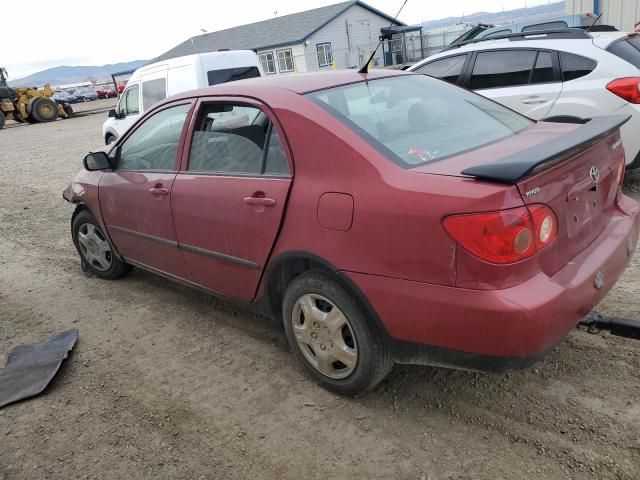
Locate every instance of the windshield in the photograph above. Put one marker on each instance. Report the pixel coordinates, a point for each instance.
(415, 119)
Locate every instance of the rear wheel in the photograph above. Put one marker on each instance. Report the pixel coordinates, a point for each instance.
(3, 118)
(94, 248)
(330, 333)
(44, 110)
(68, 109)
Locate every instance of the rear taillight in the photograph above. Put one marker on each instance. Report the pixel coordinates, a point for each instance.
(506, 236)
(626, 88)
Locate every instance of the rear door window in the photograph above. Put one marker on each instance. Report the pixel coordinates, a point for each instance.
(153, 91)
(543, 71)
(502, 68)
(225, 75)
(448, 69)
(575, 66)
(628, 50)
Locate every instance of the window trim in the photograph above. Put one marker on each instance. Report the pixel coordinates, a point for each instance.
(114, 153)
(324, 45)
(240, 101)
(557, 73)
(273, 59)
(293, 62)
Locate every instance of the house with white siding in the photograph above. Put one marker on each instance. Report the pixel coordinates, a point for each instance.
(332, 37)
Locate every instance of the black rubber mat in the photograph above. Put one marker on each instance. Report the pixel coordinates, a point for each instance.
(30, 368)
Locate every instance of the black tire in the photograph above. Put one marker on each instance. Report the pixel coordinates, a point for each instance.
(115, 269)
(374, 361)
(68, 110)
(3, 119)
(44, 110)
(109, 139)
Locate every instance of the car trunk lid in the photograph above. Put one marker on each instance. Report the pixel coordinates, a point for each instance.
(572, 168)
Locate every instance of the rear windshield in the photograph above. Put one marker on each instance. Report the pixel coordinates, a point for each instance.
(231, 74)
(628, 50)
(415, 119)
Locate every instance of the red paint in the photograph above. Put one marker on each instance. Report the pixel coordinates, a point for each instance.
(384, 229)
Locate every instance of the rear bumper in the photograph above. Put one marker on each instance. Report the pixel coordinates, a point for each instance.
(500, 329)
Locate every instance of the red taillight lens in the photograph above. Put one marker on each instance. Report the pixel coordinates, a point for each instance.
(506, 236)
(626, 88)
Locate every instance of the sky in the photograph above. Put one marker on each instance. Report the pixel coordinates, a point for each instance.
(94, 33)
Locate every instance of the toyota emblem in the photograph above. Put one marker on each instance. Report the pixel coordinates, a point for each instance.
(594, 173)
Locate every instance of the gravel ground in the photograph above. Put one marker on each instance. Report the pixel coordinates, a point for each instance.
(166, 382)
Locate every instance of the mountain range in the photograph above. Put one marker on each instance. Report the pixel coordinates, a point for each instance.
(67, 74)
(555, 9)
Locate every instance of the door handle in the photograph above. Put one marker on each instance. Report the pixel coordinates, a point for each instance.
(158, 190)
(260, 201)
(533, 100)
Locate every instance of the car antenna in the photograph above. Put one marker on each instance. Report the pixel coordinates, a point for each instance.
(365, 67)
(594, 22)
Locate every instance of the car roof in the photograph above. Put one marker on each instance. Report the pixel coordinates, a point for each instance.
(297, 83)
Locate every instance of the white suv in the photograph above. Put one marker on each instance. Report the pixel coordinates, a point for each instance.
(559, 75)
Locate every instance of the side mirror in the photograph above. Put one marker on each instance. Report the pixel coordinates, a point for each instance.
(112, 113)
(96, 161)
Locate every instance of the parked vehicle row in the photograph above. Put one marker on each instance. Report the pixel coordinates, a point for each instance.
(564, 75)
(382, 217)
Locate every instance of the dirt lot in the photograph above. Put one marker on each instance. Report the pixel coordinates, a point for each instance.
(166, 382)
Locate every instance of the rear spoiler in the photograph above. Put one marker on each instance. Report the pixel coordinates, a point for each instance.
(513, 168)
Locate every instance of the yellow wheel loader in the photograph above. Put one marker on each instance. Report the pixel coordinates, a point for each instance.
(29, 104)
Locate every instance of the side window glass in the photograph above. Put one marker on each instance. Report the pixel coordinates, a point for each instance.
(154, 145)
(505, 68)
(543, 71)
(229, 139)
(152, 92)
(448, 69)
(575, 66)
(132, 100)
(276, 159)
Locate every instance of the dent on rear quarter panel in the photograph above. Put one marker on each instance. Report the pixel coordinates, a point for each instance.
(397, 214)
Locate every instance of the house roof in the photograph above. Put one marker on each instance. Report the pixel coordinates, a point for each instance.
(285, 30)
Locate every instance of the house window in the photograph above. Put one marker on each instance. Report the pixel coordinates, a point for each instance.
(285, 60)
(268, 62)
(325, 56)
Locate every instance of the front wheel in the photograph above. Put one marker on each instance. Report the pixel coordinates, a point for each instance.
(330, 333)
(44, 110)
(94, 248)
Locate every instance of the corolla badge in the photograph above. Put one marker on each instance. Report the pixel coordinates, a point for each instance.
(594, 173)
(533, 192)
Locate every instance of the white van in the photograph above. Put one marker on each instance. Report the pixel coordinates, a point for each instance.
(157, 81)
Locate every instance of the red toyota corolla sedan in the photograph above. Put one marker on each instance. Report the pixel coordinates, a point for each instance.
(384, 217)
